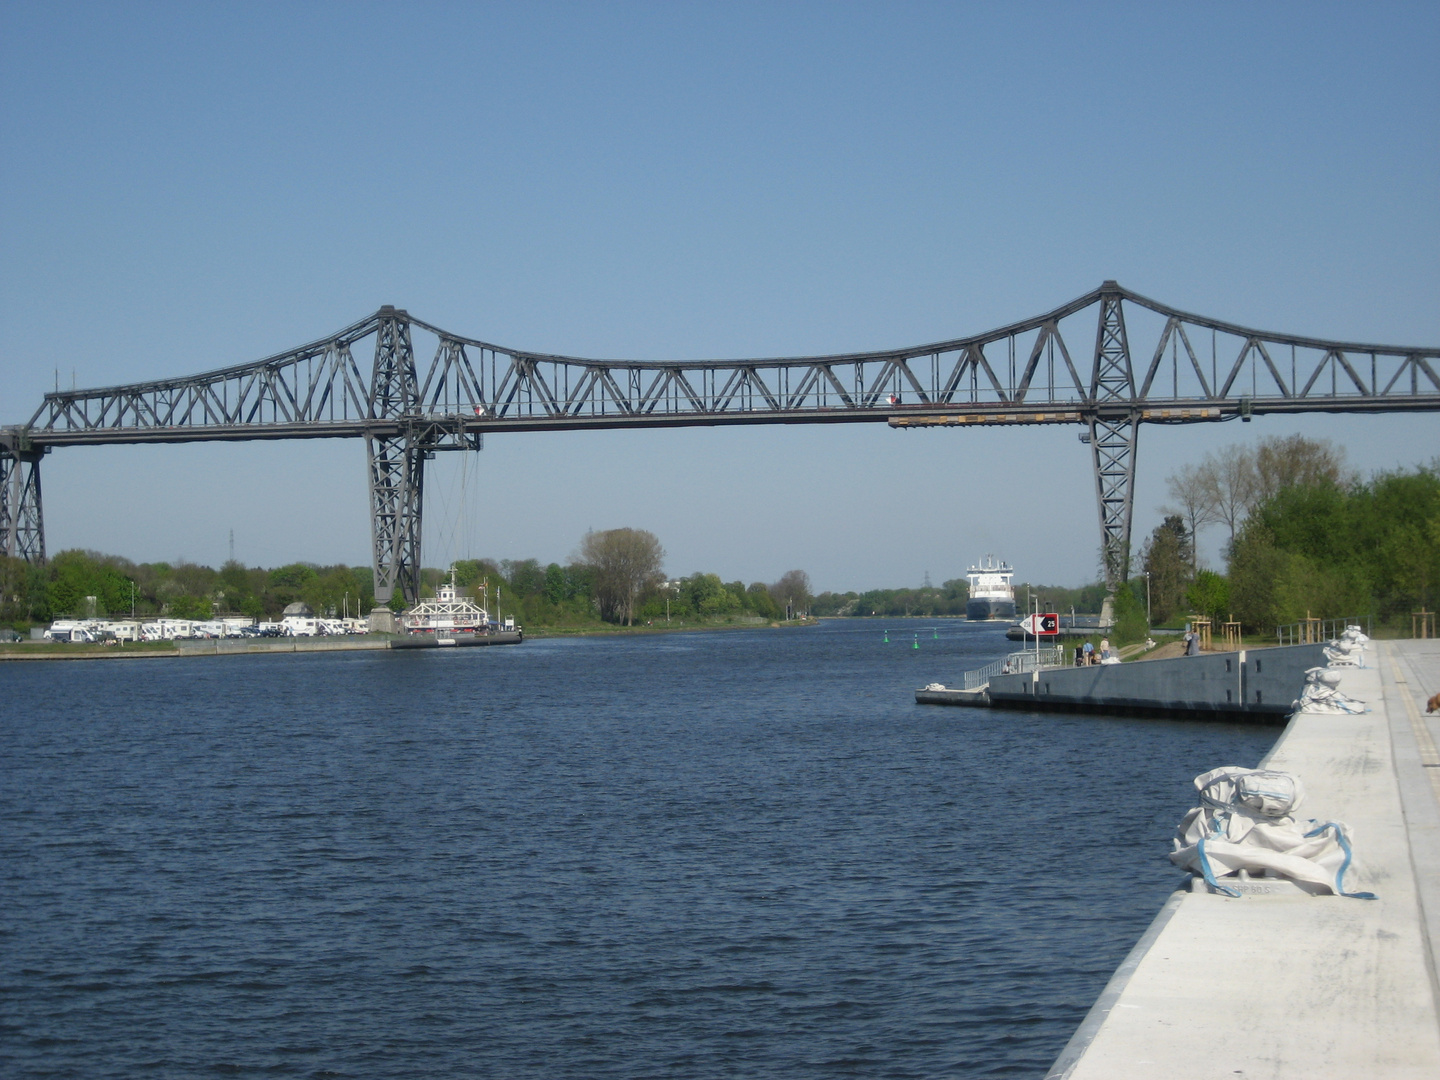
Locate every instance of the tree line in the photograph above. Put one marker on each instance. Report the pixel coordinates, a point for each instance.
(615, 576)
(82, 584)
(949, 599)
(1305, 536)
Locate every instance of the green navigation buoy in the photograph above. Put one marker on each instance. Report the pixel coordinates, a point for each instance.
(917, 642)
(887, 637)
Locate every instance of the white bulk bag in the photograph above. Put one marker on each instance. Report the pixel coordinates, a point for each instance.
(1245, 822)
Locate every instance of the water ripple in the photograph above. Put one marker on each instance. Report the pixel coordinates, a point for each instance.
(744, 854)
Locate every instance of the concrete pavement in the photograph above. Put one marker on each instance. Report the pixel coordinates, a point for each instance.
(1280, 984)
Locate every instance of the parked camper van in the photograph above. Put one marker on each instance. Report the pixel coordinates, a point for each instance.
(299, 626)
(69, 630)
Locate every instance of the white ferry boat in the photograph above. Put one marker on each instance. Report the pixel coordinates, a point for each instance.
(452, 619)
(991, 594)
(447, 612)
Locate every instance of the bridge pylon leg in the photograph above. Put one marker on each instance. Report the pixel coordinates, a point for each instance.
(1112, 448)
(22, 527)
(397, 483)
(397, 463)
(1113, 434)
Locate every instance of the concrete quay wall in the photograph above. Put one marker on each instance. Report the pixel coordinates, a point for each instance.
(1281, 984)
(234, 646)
(1260, 684)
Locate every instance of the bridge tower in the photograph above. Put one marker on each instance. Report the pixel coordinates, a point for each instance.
(1113, 422)
(396, 462)
(22, 532)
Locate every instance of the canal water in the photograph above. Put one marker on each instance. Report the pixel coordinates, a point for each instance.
(738, 854)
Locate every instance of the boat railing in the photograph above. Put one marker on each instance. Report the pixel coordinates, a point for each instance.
(1314, 631)
(1015, 663)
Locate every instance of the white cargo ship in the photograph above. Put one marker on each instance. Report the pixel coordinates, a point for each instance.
(991, 594)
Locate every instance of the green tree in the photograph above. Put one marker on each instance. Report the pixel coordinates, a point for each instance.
(332, 590)
(1130, 624)
(792, 592)
(17, 589)
(624, 562)
(706, 594)
(287, 584)
(75, 575)
(1293, 461)
(1167, 558)
(555, 590)
(524, 576)
(236, 587)
(759, 600)
(468, 572)
(1256, 569)
(580, 582)
(1209, 595)
(186, 606)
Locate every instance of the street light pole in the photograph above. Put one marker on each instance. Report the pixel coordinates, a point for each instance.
(1147, 599)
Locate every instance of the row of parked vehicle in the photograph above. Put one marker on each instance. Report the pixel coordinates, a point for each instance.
(106, 630)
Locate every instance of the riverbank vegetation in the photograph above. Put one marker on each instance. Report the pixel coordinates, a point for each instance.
(1307, 537)
(615, 579)
(1304, 536)
(948, 600)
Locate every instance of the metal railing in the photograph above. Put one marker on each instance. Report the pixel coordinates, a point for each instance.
(1315, 631)
(1016, 663)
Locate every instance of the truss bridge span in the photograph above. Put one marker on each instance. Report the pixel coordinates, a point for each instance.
(1072, 365)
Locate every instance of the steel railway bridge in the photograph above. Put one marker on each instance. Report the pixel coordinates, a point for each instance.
(1042, 370)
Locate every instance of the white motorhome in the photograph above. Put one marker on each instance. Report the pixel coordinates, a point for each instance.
(299, 626)
(69, 630)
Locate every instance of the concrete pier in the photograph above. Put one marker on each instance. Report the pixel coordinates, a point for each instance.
(1249, 684)
(235, 646)
(1281, 984)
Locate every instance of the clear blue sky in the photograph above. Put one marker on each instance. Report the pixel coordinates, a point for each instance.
(191, 185)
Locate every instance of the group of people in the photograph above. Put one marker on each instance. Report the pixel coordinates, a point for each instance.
(1087, 654)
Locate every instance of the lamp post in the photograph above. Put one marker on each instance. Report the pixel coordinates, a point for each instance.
(1147, 599)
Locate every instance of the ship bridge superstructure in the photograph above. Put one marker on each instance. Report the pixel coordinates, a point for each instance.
(990, 580)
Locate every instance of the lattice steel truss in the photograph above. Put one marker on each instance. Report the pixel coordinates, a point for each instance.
(1021, 373)
(1114, 428)
(22, 530)
(397, 462)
